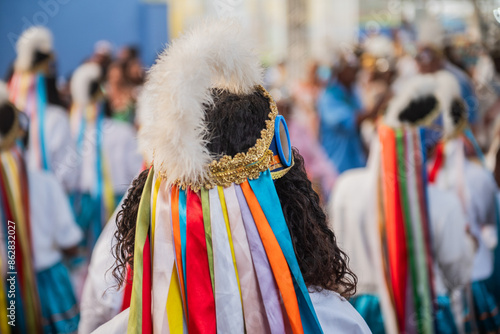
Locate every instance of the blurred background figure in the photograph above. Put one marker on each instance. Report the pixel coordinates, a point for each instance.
(378, 72)
(305, 95)
(43, 223)
(455, 164)
(16, 221)
(341, 114)
(32, 89)
(365, 225)
(103, 54)
(130, 55)
(108, 155)
(432, 57)
(120, 92)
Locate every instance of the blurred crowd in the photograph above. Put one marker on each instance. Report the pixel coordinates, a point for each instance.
(336, 103)
(337, 117)
(82, 154)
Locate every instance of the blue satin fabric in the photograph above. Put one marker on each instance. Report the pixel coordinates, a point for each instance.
(485, 309)
(99, 187)
(368, 306)
(58, 301)
(41, 106)
(445, 321)
(182, 228)
(264, 190)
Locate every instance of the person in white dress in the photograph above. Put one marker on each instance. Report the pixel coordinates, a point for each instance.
(250, 244)
(107, 149)
(453, 168)
(50, 230)
(51, 146)
(354, 218)
(108, 156)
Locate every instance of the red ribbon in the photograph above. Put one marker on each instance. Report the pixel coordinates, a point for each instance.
(395, 231)
(127, 291)
(437, 163)
(201, 300)
(147, 320)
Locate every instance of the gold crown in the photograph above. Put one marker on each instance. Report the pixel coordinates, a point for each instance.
(245, 165)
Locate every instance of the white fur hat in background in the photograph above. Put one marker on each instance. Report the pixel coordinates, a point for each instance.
(215, 54)
(81, 82)
(441, 86)
(34, 39)
(420, 87)
(452, 105)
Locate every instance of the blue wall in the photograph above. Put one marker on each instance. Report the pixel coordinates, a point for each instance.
(78, 24)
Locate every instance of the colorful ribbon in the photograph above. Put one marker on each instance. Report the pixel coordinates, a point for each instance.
(15, 207)
(227, 263)
(406, 230)
(139, 320)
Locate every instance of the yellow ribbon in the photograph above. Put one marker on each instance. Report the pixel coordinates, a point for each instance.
(174, 304)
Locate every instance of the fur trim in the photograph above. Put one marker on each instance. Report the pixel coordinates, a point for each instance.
(415, 88)
(34, 39)
(81, 80)
(4, 94)
(141, 116)
(448, 89)
(215, 54)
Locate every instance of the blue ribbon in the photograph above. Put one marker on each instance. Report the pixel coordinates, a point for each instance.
(266, 194)
(182, 228)
(472, 139)
(41, 107)
(99, 167)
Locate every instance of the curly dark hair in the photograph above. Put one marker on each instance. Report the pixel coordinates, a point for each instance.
(322, 263)
(235, 123)
(125, 233)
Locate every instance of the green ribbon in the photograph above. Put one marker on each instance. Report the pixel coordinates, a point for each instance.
(141, 233)
(400, 146)
(205, 205)
(415, 240)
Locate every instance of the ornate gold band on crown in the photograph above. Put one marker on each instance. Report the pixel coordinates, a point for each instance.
(242, 166)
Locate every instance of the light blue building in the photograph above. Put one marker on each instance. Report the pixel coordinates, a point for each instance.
(78, 24)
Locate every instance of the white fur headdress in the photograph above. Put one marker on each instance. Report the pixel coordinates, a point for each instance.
(81, 81)
(441, 85)
(34, 39)
(215, 54)
(449, 95)
(416, 88)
